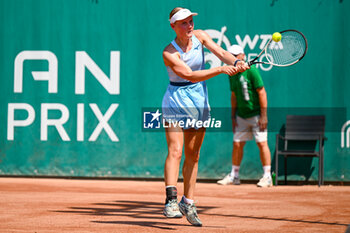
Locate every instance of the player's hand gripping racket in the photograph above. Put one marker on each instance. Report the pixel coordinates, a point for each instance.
(289, 50)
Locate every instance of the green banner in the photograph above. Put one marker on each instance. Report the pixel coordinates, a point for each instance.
(79, 76)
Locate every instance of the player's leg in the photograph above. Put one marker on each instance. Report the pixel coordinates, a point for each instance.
(174, 137)
(237, 156)
(265, 155)
(237, 153)
(243, 133)
(193, 142)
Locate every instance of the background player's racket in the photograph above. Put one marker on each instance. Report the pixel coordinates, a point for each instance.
(289, 50)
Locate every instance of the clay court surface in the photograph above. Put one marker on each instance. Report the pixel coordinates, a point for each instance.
(70, 205)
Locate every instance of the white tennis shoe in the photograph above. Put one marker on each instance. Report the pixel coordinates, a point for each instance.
(229, 180)
(171, 209)
(264, 182)
(190, 211)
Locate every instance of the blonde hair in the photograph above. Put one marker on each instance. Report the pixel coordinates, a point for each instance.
(173, 12)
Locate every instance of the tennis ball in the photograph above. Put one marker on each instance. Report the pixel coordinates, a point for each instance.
(276, 36)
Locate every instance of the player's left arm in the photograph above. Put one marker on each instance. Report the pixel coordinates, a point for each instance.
(221, 53)
(263, 108)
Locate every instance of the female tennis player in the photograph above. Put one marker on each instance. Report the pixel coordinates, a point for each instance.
(185, 100)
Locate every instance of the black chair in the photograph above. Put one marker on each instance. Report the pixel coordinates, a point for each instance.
(302, 129)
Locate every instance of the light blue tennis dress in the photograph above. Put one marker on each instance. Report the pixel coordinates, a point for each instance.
(184, 100)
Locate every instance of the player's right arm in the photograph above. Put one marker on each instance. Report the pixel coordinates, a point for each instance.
(172, 59)
(233, 110)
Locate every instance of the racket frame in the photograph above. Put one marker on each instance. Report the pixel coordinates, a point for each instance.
(265, 50)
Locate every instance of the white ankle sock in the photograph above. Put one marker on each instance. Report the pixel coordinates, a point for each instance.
(187, 201)
(267, 171)
(235, 171)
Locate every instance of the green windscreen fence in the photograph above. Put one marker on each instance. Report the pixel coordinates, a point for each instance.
(80, 79)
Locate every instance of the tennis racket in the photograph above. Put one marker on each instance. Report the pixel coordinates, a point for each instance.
(288, 51)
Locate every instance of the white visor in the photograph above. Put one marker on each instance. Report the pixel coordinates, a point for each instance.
(181, 14)
(235, 49)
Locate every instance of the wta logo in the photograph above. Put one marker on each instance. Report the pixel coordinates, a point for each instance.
(345, 135)
(251, 45)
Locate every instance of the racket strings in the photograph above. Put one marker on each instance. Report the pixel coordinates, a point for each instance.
(289, 50)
